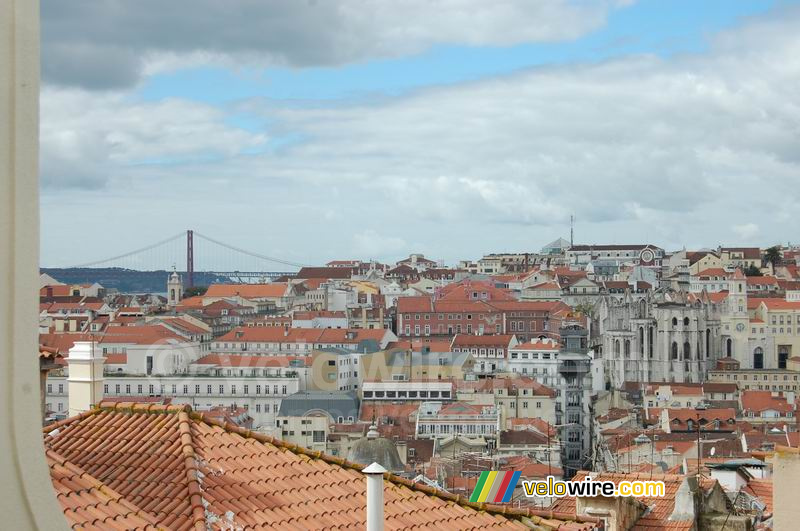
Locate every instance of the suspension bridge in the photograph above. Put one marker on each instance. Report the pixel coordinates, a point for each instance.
(202, 254)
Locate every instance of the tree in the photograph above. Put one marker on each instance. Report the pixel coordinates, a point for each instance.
(195, 291)
(585, 308)
(752, 271)
(773, 255)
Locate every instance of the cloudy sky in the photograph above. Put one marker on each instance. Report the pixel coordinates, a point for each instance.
(314, 130)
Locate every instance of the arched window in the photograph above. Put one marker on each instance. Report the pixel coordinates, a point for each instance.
(729, 347)
(758, 358)
(674, 350)
(627, 348)
(674, 321)
(685, 321)
(650, 341)
(690, 425)
(616, 347)
(708, 342)
(687, 351)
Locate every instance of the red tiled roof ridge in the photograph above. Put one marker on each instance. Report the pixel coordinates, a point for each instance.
(185, 413)
(190, 460)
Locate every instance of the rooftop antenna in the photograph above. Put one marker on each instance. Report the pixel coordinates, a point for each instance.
(571, 230)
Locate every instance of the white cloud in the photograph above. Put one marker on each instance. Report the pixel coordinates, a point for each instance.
(369, 244)
(677, 151)
(746, 231)
(88, 139)
(111, 44)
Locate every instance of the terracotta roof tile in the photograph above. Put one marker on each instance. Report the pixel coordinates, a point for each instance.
(247, 291)
(168, 465)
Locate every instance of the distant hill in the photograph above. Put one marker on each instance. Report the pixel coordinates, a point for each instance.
(126, 280)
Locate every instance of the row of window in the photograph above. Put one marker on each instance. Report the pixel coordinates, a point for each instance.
(440, 329)
(773, 387)
(440, 316)
(779, 319)
(407, 394)
(764, 377)
(533, 355)
(459, 429)
(209, 389)
(513, 405)
(481, 351)
(519, 326)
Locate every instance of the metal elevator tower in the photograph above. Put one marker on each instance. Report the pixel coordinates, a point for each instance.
(189, 258)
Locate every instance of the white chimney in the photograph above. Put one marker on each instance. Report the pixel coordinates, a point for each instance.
(85, 381)
(374, 473)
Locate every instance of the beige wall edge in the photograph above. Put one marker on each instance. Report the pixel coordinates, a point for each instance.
(27, 500)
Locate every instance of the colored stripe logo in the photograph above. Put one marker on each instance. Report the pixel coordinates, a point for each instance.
(495, 487)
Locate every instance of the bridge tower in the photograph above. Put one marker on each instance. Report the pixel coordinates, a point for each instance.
(190, 258)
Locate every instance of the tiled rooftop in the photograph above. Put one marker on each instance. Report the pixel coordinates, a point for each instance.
(129, 465)
(89, 504)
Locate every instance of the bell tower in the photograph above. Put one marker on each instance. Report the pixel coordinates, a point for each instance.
(174, 288)
(738, 319)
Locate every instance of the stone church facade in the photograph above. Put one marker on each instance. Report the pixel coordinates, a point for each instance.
(668, 336)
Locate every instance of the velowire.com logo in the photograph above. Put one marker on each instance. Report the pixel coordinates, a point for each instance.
(495, 487)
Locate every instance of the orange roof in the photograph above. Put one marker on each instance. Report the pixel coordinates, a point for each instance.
(546, 286)
(489, 385)
(758, 401)
(422, 303)
(435, 345)
(755, 302)
(88, 503)
(186, 325)
(63, 341)
(537, 345)
(58, 306)
(714, 272)
(761, 489)
(57, 290)
(116, 358)
(276, 334)
(191, 302)
(464, 290)
(469, 340)
(196, 472)
(248, 291)
(139, 335)
(780, 304)
(683, 415)
(314, 283)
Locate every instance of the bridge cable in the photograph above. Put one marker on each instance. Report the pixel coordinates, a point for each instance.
(248, 253)
(131, 253)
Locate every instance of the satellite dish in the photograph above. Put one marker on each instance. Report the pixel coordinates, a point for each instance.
(713, 451)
